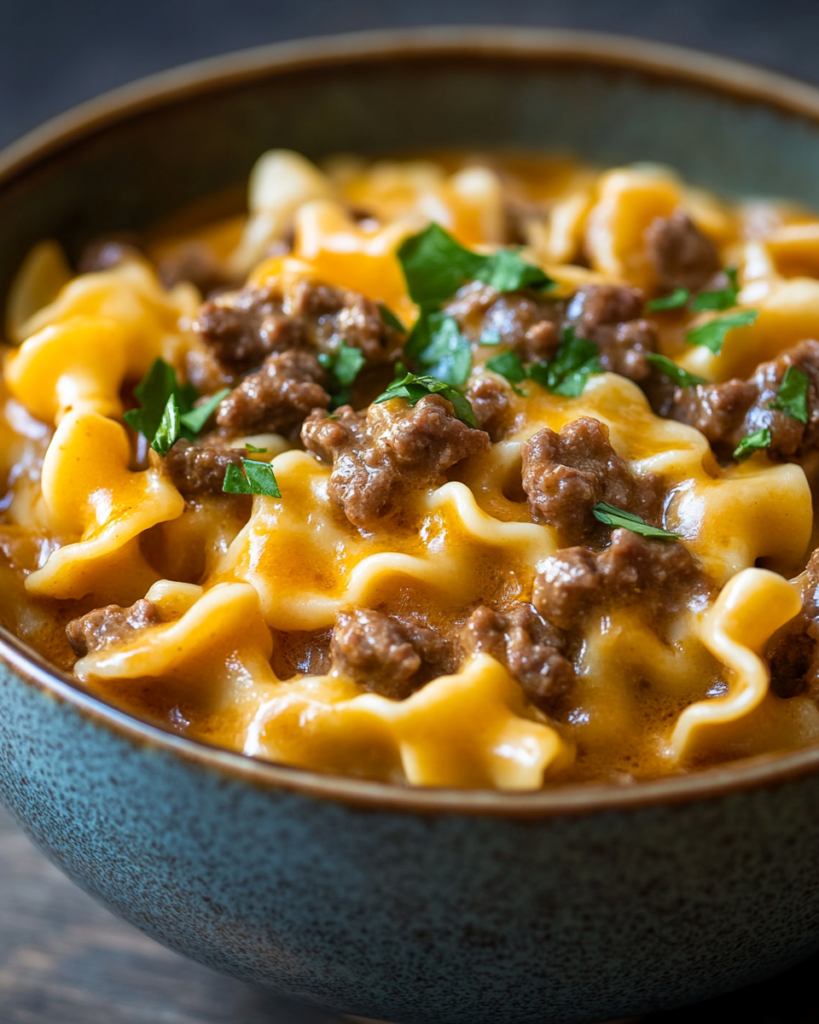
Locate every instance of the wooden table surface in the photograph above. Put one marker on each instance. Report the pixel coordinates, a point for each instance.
(66, 960)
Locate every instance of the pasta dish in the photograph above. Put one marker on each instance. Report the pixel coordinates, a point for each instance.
(466, 471)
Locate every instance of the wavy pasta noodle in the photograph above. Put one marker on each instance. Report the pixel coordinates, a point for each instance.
(442, 472)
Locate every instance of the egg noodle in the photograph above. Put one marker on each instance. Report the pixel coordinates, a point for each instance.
(323, 630)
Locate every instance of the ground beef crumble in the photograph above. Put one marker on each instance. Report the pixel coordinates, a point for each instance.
(793, 651)
(387, 655)
(565, 475)
(576, 580)
(109, 625)
(378, 453)
(725, 413)
(532, 649)
(682, 256)
(277, 397)
(199, 470)
(240, 329)
(611, 316)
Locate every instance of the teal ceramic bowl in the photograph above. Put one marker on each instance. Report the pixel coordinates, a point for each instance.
(416, 906)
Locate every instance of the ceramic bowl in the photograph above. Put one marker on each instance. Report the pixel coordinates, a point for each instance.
(574, 904)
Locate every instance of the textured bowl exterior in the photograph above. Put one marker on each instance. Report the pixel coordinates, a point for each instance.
(416, 907)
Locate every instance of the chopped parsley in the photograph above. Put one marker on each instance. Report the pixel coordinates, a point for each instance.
(675, 300)
(343, 367)
(712, 334)
(447, 354)
(675, 373)
(725, 298)
(153, 393)
(253, 449)
(613, 516)
(167, 411)
(167, 433)
(435, 266)
(196, 419)
(252, 478)
(491, 336)
(792, 397)
(414, 388)
(390, 319)
(748, 445)
(508, 365)
(575, 361)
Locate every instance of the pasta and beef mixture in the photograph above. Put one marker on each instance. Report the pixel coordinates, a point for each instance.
(460, 472)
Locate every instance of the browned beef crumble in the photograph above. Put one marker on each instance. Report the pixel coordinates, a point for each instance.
(387, 655)
(682, 256)
(242, 328)
(565, 475)
(611, 316)
(490, 404)
(276, 398)
(576, 580)
(526, 322)
(725, 413)
(109, 625)
(378, 453)
(199, 470)
(793, 651)
(531, 648)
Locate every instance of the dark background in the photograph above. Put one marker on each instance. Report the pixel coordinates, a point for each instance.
(55, 53)
(63, 960)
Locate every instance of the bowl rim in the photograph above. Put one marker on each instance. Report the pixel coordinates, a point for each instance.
(480, 43)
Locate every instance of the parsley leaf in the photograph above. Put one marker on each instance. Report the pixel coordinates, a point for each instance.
(153, 392)
(414, 388)
(348, 362)
(196, 419)
(675, 300)
(505, 271)
(253, 449)
(491, 336)
(712, 334)
(792, 397)
(446, 353)
(613, 516)
(390, 319)
(674, 373)
(435, 266)
(725, 298)
(167, 433)
(257, 478)
(576, 360)
(508, 365)
(749, 444)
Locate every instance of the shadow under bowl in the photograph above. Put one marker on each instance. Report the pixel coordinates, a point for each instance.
(574, 904)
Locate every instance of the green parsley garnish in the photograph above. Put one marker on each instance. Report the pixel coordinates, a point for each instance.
(414, 388)
(576, 360)
(675, 373)
(725, 298)
(253, 449)
(167, 410)
(196, 419)
(252, 478)
(748, 445)
(343, 367)
(153, 393)
(491, 336)
(712, 334)
(390, 319)
(508, 365)
(675, 300)
(613, 516)
(435, 266)
(792, 397)
(167, 433)
(439, 347)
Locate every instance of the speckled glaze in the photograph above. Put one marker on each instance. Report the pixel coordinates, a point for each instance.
(413, 906)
